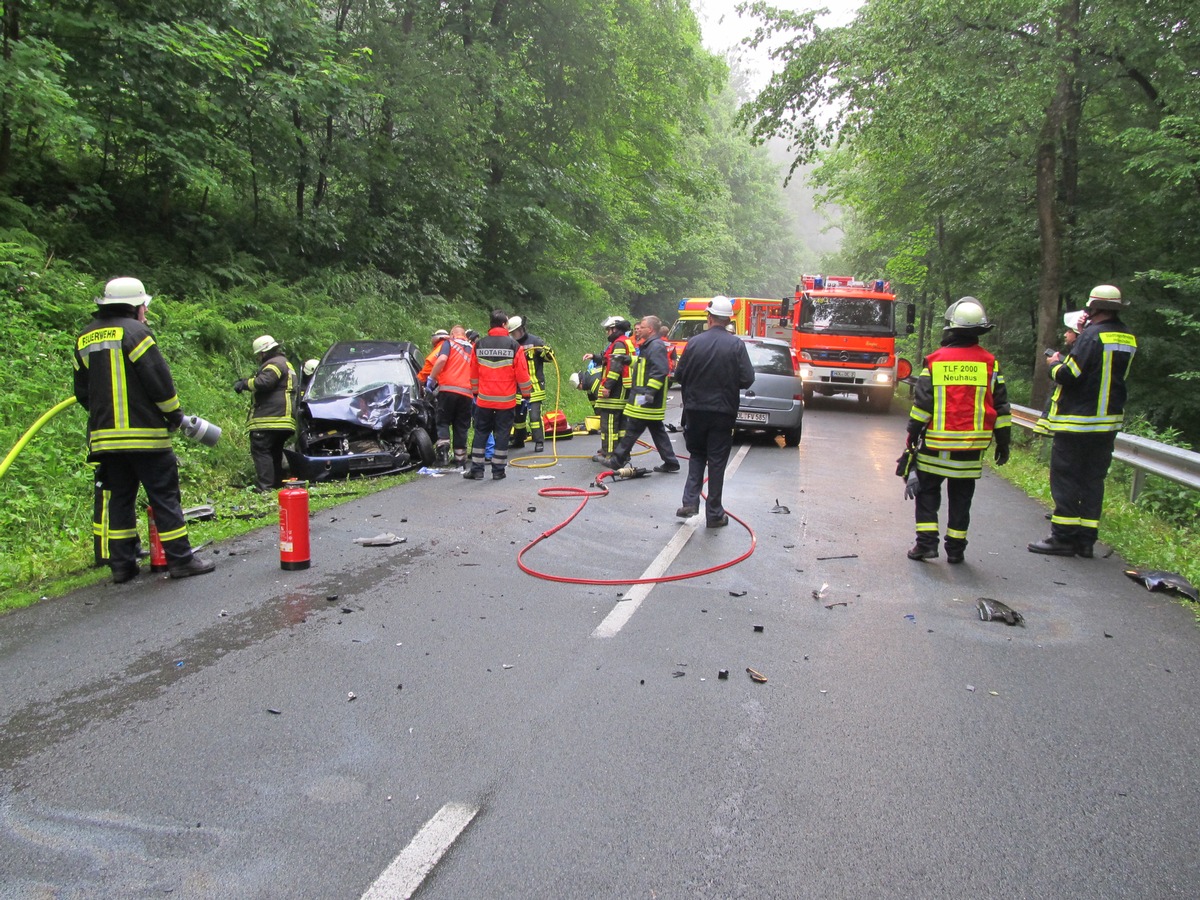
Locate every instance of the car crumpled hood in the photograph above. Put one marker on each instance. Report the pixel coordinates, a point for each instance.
(377, 409)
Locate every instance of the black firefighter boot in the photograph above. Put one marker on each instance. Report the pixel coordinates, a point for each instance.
(924, 549)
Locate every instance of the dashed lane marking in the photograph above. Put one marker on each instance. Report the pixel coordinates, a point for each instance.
(400, 880)
(628, 604)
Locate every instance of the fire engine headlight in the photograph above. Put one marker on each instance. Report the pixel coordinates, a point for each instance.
(804, 354)
(882, 361)
(883, 377)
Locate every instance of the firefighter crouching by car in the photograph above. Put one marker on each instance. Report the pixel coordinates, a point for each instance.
(125, 385)
(615, 380)
(273, 412)
(528, 417)
(452, 372)
(499, 372)
(960, 401)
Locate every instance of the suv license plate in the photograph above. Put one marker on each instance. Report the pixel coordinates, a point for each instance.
(753, 417)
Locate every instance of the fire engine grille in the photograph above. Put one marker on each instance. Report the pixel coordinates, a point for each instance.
(844, 356)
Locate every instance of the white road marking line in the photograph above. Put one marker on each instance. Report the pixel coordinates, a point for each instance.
(628, 604)
(400, 880)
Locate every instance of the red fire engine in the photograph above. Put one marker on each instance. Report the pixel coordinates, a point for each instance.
(844, 332)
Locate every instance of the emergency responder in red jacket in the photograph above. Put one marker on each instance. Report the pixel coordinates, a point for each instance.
(125, 385)
(273, 412)
(452, 372)
(960, 403)
(1087, 409)
(499, 373)
(615, 381)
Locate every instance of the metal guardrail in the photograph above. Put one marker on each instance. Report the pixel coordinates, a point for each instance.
(1142, 455)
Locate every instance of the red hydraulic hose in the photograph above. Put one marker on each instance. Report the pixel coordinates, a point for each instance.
(602, 491)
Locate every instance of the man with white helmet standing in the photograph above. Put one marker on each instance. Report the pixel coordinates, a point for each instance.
(712, 372)
(125, 385)
(273, 414)
(959, 403)
(1086, 411)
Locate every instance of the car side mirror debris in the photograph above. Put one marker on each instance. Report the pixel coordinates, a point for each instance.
(381, 540)
(1158, 580)
(995, 611)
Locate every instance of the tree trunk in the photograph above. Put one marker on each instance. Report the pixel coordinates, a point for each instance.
(1057, 141)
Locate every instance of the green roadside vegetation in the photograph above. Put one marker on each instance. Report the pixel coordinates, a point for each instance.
(46, 494)
(1157, 531)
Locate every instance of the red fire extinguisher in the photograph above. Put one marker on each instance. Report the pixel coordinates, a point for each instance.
(293, 526)
(158, 558)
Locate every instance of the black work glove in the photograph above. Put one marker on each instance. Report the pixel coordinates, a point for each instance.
(1003, 440)
(240, 385)
(915, 430)
(174, 420)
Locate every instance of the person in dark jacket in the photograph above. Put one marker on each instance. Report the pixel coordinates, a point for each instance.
(528, 422)
(273, 414)
(646, 401)
(125, 385)
(1087, 409)
(711, 373)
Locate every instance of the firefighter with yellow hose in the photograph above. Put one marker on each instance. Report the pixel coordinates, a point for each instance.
(125, 385)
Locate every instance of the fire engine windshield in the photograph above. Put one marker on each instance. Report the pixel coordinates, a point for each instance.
(847, 315)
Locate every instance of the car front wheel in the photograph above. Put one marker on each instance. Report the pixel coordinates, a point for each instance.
(422, 444)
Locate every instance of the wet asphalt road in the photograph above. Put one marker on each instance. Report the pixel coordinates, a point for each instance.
(900, 747)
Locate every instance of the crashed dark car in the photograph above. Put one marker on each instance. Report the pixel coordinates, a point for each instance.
(363, 413)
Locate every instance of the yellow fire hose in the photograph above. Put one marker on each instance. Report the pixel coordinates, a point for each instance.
(33, 429)
(527, 462)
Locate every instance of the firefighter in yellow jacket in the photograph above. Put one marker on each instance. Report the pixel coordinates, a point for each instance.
(125, 385)
(959, 405)
(273, 414)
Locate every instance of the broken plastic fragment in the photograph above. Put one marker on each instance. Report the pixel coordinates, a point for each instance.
(737, 593)
(722, 674)
(820, 592)
(994, 611)
(756, 676)
(780, 509)
(386, 539)
(1158, 580)
(351, 695)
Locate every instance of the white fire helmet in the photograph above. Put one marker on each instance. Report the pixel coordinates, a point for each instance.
(264, 343)
(1105, 296)
(966, 313)
(1073, 320)
(514, 323)
(129, 291)
(720, 307)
